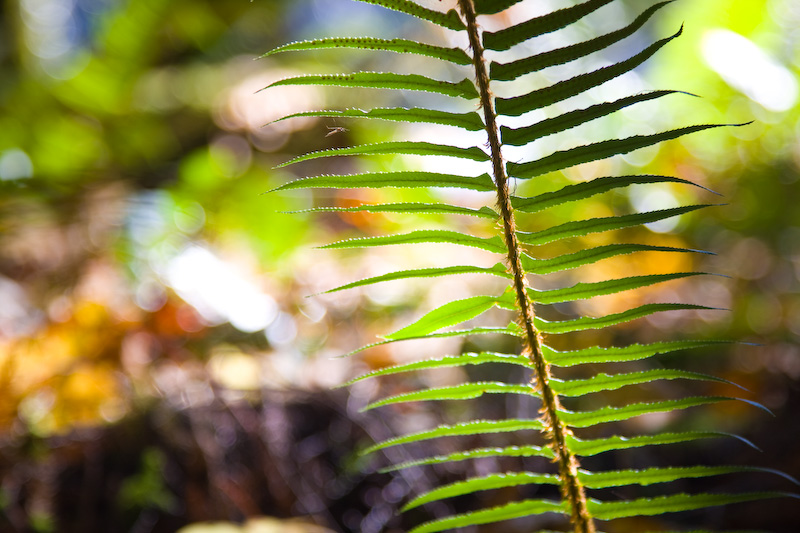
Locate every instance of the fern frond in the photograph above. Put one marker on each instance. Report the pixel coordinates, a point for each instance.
(537, 366)
(517, 105)
(559, 56)
(526, 134)
(508, 37)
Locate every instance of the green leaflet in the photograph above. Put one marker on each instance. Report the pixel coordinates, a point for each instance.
(579, 228)
(449, 20)
(508, 37)
(604, 382)
(495, 514)
(469, 121)
(401, 46)
(673, 503)
(490, 7)
(474, 427)
(634, 352)
(592, 480)
(591, 255)
(588, 448)
(583, 291)
(649, 476)
(497, 270)
(373, 180)
(408, 207)
(524, 135)
(452, 313)
(597, 151)
(488, 482)
(449, 361)
(510, 71)
(512, 329)
(583, 419)
(562, 90)
(584, 323)
(402, 147)
(587, 189)
(385, 80)
(490, 244)
(464, 391)
(508, 451)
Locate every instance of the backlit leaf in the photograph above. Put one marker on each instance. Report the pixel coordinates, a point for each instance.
(407, 207)
(497, 270)
(449, 361)
(490, 244)
(373, 180)
(508, 451)
(603, 382)
(474, 427)
(463, 391)
(584, 323)
(488, 482)
(469, 121)
(403, 147)
(587, 189)
(494, 514)
(385, 80)
(582, 291)
(580, 228)
(449, 20)
(402, 46)
(449, 314)
(615, 354)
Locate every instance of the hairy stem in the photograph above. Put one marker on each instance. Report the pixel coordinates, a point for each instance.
(571, 488)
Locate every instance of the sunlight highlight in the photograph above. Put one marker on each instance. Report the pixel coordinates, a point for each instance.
(747, 68)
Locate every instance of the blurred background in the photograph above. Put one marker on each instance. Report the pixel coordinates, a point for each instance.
(160, 361)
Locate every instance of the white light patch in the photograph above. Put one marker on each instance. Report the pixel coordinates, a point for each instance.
(218, 292)
(747, 68)
(654, 199)
(15, 164)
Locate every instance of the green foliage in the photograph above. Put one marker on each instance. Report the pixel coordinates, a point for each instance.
(521, 252)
